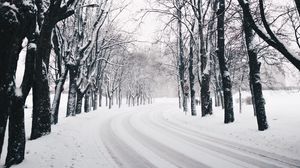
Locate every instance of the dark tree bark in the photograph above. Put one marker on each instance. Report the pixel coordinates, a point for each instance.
(297, 2)
(205, 66)
(16, 141)
(16, 24)
(95, 99)
(16, 147)
(11, 34)
(112, 98)
(257, 95)
(60, 79)
(191, 73)
(79, 102)
(226, 81)
(47, 19)
(252, 97)
(41, 114)
(87, 102)
(56, 101)
(100, 96)
(71, 107)
(106, 99)
(181, 54)
(109, 101)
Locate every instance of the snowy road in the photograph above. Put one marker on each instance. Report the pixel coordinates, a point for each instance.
(161, 136)
(148, 139)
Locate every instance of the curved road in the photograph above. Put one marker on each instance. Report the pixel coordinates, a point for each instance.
(146, 139)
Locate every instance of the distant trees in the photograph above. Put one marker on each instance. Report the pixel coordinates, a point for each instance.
(139, 71)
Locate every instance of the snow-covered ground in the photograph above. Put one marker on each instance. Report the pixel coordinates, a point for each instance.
(160, 135)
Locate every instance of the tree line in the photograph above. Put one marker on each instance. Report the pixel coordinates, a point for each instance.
(221, 46)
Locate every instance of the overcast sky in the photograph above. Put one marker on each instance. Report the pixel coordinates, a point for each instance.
(129, 20)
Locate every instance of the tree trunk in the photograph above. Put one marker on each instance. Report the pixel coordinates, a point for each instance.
(181, 53)
(95, 100)
(297, 2)
(259, 102)
(191, 74)
(112, 99)
(100, 96)
(71, 107)
(252, 97)
(133, 101)
(120, 97)
(226, 81)
(205, 64)
(179, 94)
(222, 99)
(87, 102)
(216, 98)
(205, 94)
(57, 96)
(218, 88)
(79, 102)
(41, 114)
(109, 101)
(12, 104)
(106, 100)
(16, 147)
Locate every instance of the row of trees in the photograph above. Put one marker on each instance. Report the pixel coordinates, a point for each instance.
(78, 41)
(217, 43)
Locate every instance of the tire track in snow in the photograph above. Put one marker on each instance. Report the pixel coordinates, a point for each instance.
(123, 154)
(146, 139)
(167, 153)
(237, 157)
(192, 149)
(270, 158)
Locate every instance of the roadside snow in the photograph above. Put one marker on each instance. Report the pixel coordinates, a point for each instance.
(283, 114)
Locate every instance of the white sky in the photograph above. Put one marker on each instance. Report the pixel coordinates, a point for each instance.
(131, 20)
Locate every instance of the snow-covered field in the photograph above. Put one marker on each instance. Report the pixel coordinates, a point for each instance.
(160, 135)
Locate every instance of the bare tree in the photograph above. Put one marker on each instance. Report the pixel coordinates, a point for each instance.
(226, 81)
(267, 34)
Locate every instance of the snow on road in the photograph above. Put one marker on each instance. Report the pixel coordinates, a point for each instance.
(161, 136)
